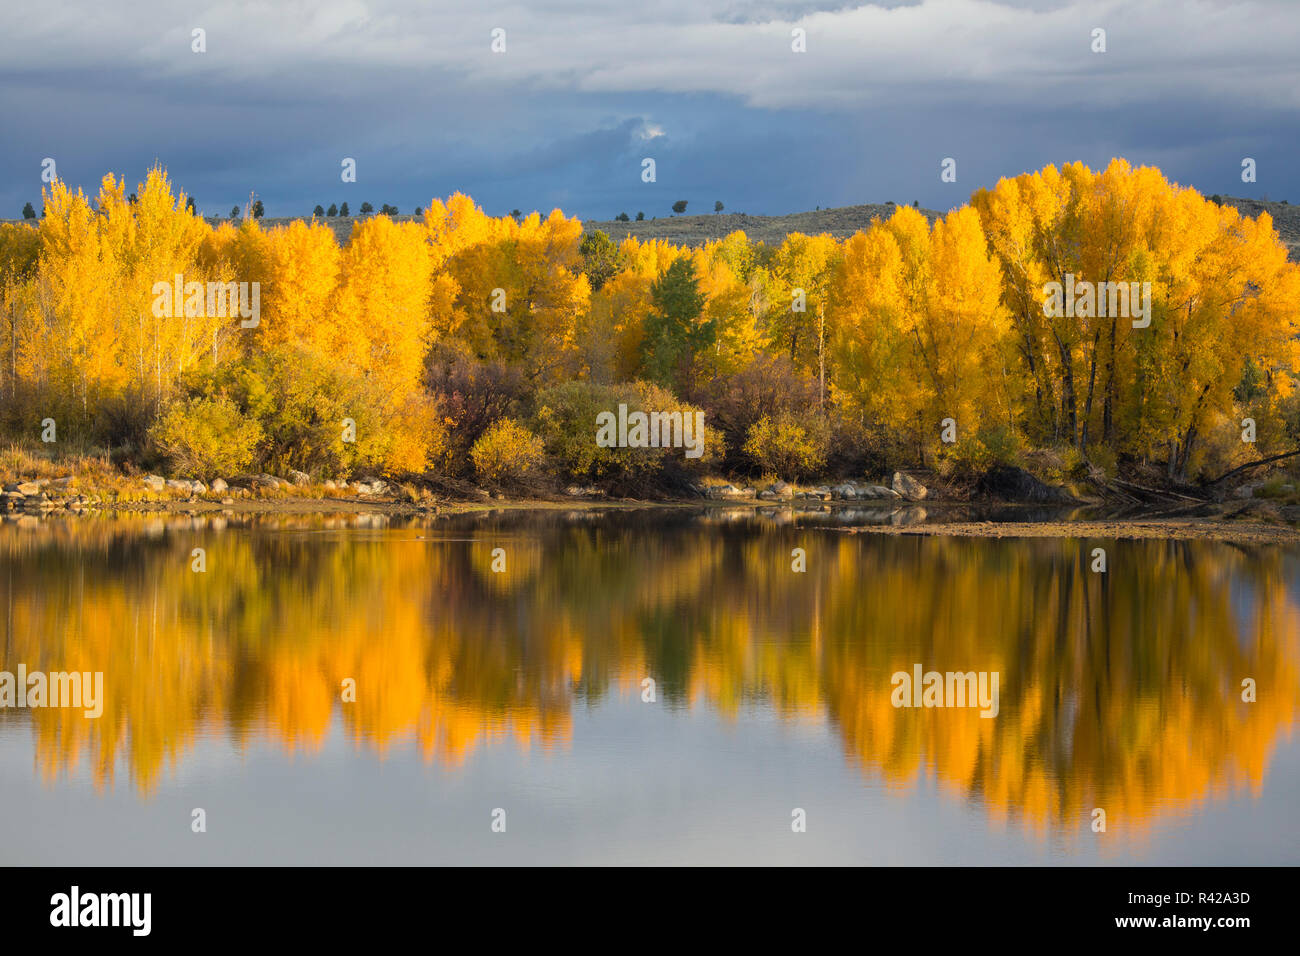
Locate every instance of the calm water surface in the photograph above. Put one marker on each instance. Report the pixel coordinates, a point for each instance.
(522, 690)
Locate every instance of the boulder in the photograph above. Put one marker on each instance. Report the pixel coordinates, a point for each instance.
(219, 486)
(155, 482)
(268, 482)
(908, 487)
(1009, 483)
(905, 517)
(330, 485)
(877, 491)
(781, 489)
(724, 491)
(844, 492)
(300, 478)
(179, 484)
(28, 488)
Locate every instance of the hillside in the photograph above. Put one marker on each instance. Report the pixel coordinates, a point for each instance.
(839, 222)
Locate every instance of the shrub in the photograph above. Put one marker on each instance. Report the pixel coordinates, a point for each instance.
(790, 446)
(471, 395)
(566, 421)
(767, 387)
(301, 400)
(507, 451)
(204, 437)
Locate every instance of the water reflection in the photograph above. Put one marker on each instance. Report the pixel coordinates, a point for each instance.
(1119, 690)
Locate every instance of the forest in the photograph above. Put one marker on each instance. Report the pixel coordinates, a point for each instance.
(483, 348)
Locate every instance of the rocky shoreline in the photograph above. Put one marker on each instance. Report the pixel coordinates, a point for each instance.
(889, 509)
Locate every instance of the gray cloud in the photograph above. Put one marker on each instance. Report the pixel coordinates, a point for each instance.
(710, 87)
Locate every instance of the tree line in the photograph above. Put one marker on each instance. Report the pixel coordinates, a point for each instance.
(909, 342)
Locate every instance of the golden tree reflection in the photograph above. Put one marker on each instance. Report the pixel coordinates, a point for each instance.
(1119, 690)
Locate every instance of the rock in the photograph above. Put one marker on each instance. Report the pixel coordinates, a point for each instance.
(724, 491)
(768, 495)
(1015, 484)
(28, 488)
(154, 482)
(781, 489)
(905, 517)
(227, 501)
(876, 491)
(908, 487)
(330, 485)
(198, 487)
(845, 492)
(269, 482)
(1244, 491)
(219, 486)
(300, 478)
(179, 484)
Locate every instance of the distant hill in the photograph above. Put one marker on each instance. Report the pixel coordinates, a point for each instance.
(839, 222)
(1286, 218)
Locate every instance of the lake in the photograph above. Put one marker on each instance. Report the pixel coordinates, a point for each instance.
(652, 686)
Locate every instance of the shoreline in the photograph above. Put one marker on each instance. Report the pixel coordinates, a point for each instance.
(1236, 524)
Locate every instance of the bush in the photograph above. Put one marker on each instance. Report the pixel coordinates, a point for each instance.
(471, 395)
(767, 387)
(790, 446)
(302, 400)
(205, 437)
(566, 421)
(507, 451)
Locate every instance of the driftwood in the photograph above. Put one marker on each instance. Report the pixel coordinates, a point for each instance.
(1156, 492)
(1253, 464)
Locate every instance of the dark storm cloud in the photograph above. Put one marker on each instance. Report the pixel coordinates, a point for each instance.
(709, 88)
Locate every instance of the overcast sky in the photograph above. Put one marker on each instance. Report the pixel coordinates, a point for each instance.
(586, 89)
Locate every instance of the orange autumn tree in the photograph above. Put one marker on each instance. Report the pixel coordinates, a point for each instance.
(910, 323)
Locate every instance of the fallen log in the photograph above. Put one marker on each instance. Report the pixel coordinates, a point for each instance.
(1156, 492)
(1253, 464)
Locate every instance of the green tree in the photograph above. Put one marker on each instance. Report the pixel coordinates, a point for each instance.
(640, 216)
(717, 207)
(318, 211)
(388, 210)
(679, 206)
(600, 258)
(258, 211)
(674, 332)
(234, 212)
(29, 212)
(343, 210)
(621, 217)
(334, 210)
(366, 209)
